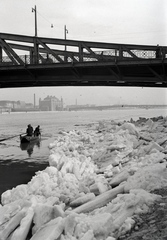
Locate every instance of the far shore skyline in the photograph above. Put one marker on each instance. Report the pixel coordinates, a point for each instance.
(36, 103)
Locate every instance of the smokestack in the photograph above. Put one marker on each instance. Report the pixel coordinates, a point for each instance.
(34, 100)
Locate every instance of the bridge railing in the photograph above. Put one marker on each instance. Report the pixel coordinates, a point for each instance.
(111, 55)
(144, 54)
(141, 54)
(85, 52)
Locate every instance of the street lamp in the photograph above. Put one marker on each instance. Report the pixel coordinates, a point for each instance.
(35, 11)
(65, 35)
(35, 40)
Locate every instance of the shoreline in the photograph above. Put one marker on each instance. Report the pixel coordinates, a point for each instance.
(16, 173)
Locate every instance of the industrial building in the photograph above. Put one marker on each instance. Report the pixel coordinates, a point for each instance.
(51, 103)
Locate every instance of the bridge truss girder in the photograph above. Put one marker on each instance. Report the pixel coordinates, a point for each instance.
(47, 62)
(78, 51)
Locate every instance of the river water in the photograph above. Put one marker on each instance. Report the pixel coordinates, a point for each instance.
(18, 164)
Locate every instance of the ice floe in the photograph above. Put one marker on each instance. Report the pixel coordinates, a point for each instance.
(97, 180)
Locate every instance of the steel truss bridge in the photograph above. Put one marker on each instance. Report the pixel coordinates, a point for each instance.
(27, 61)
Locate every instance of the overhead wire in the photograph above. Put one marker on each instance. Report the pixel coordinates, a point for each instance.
(45, 18)
(122, 35)
(100, 34)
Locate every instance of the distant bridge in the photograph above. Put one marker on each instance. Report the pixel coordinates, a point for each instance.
(27, 61)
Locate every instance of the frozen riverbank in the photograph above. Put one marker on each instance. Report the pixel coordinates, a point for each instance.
(98, 180)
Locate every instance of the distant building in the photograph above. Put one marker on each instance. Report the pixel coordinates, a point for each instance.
(29, 105)
(7, 104)
(51, 103)
(10, 105)
(14, 106)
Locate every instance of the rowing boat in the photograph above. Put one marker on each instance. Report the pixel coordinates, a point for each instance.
(29, 139)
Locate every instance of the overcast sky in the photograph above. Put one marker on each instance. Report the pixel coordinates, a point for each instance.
(113, 21)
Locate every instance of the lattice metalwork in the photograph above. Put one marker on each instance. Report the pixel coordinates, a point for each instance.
(126, 55)
(6, 60)
(89, 59)
(144, 54)
(111, 52)
(51, 59)
(77, 58)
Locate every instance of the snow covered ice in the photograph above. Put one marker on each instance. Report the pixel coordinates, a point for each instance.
(97, 181)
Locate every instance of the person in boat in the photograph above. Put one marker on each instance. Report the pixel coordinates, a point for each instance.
(29, 130)
(37, 131)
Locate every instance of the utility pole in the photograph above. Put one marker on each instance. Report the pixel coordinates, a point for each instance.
(35, 53)
(35, 11)
(65, 37)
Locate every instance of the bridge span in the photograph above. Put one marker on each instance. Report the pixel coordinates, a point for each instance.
(27, 61)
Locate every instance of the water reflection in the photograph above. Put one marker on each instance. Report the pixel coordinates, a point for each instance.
(29, 147)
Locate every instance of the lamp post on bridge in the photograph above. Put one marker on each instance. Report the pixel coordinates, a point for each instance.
(35, 57)
(35, 11)
(65, 37)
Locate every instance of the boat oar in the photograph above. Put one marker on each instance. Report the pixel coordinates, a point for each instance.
(4, 139)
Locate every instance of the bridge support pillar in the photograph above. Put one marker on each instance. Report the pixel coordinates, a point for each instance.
(80, 53)
(36, 52)
(31, 57)
(120, 52)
